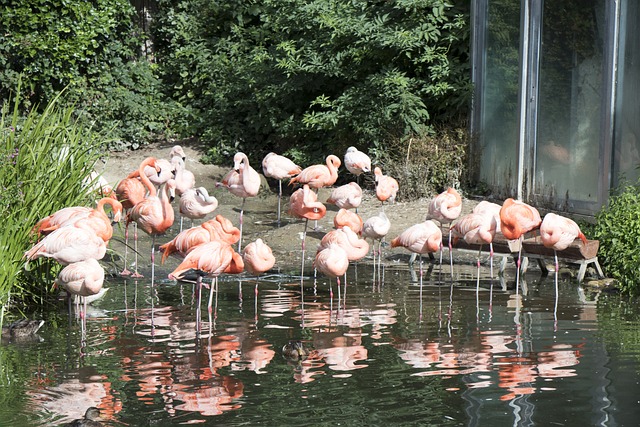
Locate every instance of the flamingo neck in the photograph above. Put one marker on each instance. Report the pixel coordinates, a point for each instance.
(145, 179)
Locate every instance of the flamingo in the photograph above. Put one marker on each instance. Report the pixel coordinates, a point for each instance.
(332, 261)
(94, 219)
(196, 203)
(279, 167)
(346, 196)
(558, 232)
(209, 259)
(219, 228)
(154, 215)
(318, 176)
(67, 245)
(422, 238)
(347, 218)
(97, 184)
(304, 204)
(258, 258)
(476, 229)
(357, 162)
(492, 209)
(446, 208)
(242, 181)
(386, 186)
(185, 179)
(516, 219)
(131, 191)
(177, 151)
(376, 228)
(83, 278)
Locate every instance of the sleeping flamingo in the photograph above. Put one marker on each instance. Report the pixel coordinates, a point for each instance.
(279, 167)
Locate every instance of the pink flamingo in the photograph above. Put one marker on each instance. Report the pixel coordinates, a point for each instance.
(67, 245)
(376, 228)
(357, 162)
(346, 196)
(304, 204)
(318, 176)
(446, 208)
(258, 258)
(94, 219)
(516, 219)
(422, 238)
(491, 209)
(558, 232)
(386, 187)
(219, 228)
(84, 279)
(196, 203)
(242, 181)
(476, 229)
(332, 261)
(131, 191)
(209, 259)
(154, 215)
(279, 167)
(177, 151)
(347, 218)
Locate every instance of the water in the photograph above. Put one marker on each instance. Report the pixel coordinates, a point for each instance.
(380, 355)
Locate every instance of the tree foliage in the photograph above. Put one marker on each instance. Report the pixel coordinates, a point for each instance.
(318, 74)
(91, 48)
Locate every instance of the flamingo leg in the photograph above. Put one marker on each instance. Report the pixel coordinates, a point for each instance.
(491, 258)
(255, 317)
(241, 221)
(135, 249)
(125, 271)
(199, 299)
(420, 261)
(555, 308)
(153, 257)
(279, 199)
(450, 253)
(518, 268)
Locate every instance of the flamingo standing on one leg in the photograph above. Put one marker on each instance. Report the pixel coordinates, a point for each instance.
(209, 259)
(258, 258)
(357, 162)
(304, 204)
(558, 232)
(376, 228)
(475, 229)
(332, 261)
(196, 203)
(154, 215)
(422, 238)
(492, 209)
(242, 181)
(516, 219)
(84, 279)
(446, 208)
(279, 167)
(386, 187)
(131, 191)
(346, 196)
(318, 176)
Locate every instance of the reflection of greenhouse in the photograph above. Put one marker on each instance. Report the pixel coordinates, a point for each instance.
(557, 102)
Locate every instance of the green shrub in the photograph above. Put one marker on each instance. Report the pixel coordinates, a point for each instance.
(44, 158)
(316, 76)
(618, 230)
(94, 50)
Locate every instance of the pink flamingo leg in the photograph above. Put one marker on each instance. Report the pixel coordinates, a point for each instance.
(241, 221)
(125, 271)
(135, 248)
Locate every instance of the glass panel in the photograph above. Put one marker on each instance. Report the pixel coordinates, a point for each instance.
(500, 115)
(569, 101)
(627, 136)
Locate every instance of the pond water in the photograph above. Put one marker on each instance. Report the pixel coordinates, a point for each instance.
(385, 351)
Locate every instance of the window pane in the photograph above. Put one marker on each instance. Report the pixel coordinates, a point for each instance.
(569, 100)
(500, 115)
(627, 114)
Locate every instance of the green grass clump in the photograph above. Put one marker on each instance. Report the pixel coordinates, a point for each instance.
(44, 158)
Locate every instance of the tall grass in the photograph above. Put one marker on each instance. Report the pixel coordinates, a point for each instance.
(44, 158)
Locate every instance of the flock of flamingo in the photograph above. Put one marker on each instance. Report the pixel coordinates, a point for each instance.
(77, 237)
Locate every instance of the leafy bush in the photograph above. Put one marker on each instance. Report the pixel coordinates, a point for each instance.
(44, 158)
(91, 48)
(315, 76)
(618, 230)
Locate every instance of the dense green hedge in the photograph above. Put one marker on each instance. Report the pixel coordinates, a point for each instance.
(306, 78)
(93, 48)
